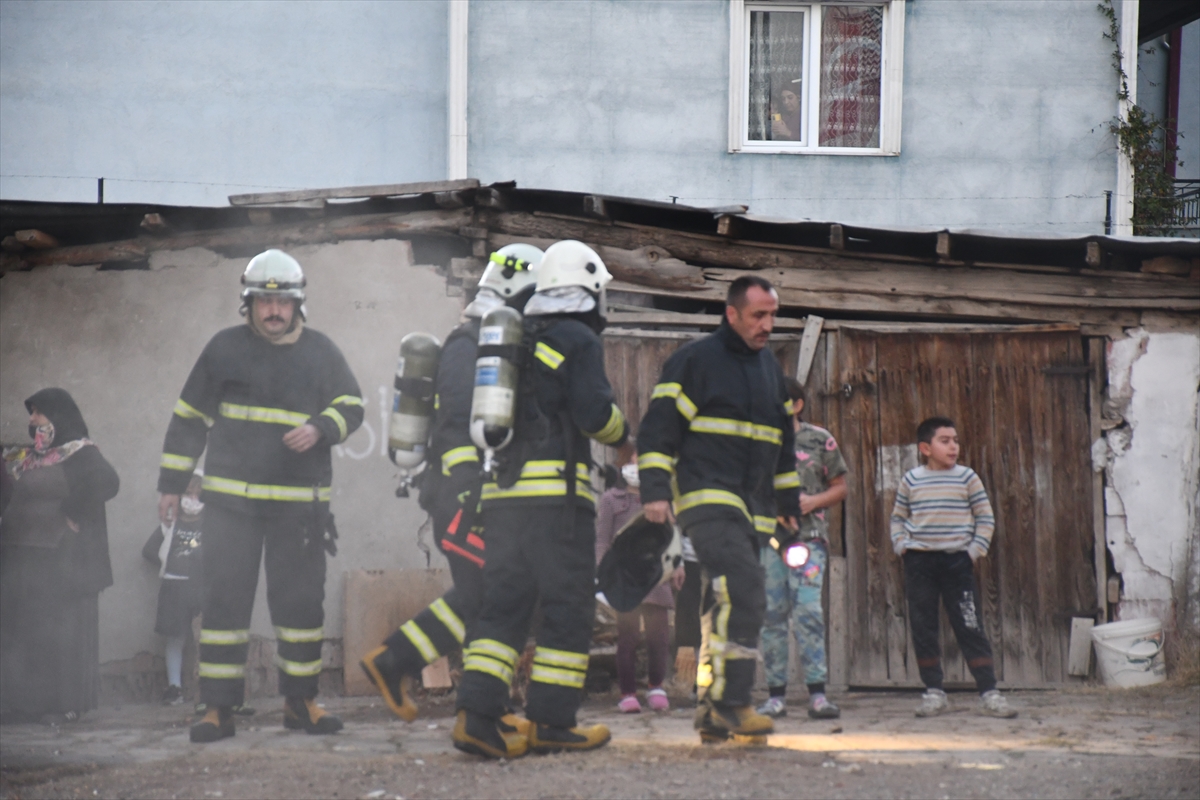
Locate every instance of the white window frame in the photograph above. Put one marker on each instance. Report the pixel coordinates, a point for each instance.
(890, 101)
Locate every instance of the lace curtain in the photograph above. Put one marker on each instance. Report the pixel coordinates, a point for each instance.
(851, 73)
(776, 67)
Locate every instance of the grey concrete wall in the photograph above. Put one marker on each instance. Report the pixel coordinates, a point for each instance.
(1005, 116)
(123, 343)
(186, 103)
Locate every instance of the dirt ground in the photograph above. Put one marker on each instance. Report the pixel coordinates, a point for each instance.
(1082, 743)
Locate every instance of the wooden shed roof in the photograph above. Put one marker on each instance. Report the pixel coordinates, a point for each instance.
(678, 254)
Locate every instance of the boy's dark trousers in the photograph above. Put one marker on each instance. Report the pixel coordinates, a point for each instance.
(928, 576)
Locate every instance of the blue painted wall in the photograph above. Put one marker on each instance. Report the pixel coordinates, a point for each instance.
(218, 98)
(1006, 106)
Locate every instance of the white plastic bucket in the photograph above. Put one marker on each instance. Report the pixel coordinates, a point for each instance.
(1129, 653)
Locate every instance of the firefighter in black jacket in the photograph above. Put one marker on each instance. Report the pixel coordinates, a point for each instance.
(539, 514)
(719, 424)
(269, 398)
(450, 493)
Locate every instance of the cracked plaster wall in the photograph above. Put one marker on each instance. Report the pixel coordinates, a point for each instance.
(1151, 461)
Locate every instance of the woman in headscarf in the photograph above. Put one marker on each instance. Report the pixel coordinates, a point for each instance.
(53, 563)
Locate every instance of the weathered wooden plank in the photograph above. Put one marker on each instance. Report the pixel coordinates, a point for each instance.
(372, 226)
(839, 674)
(1096, 384)
(1079, 655)
(35, 239)
(903, 280)
(808, 347)
(678, 319)
(350, 192)
(720, 252)
(943, 308)
(980, 414)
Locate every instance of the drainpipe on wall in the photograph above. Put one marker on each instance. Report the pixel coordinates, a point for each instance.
(1123, 212)
(456, 92)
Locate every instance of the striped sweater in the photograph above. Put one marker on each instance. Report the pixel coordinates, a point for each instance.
(942, 510)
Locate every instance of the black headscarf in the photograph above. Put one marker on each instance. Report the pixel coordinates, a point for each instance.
(59, 407)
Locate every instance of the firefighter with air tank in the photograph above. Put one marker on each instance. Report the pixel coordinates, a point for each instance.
(539, 507)
(442, 388)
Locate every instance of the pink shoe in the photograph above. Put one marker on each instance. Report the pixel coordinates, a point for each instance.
(657, 699)
(629, 705)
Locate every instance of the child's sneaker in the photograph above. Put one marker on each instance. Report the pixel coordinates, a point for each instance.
(933, 702)
(173, 696)
(993, 704)
(656, 698)
(821, 708)
(775, 707)
(629, 704)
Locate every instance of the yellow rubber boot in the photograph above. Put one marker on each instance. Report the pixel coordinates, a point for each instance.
(380, 668)
(481, 736)
(545, 739)
(511, 723)
(304, 714)
(216, 724)
(740, 720)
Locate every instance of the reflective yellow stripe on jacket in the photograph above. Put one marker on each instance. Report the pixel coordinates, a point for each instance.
(188, 411)
(459, 455)
(737, 427)
(787, 480)
(542, 479)
(683, 403)
(656, 461)
(720, 497)
(259, 491)
(548, 355)
(181, 463)
(277, 416)
(613, 429)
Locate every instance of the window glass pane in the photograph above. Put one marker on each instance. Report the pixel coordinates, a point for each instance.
(776, 68)
(851, 72)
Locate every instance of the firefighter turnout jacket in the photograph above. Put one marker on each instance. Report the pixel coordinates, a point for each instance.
(570, 385)
(719, 426)
(242, 396)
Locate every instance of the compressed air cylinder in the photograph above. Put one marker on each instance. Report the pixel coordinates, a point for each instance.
(494, 402)
(412, 405)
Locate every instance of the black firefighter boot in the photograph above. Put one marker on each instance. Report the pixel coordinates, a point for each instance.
(216, 724)
(547, 739)
(304, 714)
(482, 736)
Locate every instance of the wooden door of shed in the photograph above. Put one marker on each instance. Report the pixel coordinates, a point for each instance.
(1020, 402)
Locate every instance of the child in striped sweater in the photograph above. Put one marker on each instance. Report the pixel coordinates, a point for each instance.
(941, 524)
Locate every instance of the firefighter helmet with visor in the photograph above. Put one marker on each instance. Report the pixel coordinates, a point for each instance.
(273, 273)
(572, 263)
(511, 269)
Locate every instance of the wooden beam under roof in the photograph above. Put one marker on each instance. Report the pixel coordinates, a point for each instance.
(352, 192)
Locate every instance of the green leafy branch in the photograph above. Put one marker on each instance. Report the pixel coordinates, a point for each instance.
(1148, 144)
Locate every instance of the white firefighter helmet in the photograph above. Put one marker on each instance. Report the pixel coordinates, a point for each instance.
(572, 263)
(273, 272)
(511, 269)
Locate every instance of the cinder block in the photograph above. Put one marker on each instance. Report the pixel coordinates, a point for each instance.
(377, 602)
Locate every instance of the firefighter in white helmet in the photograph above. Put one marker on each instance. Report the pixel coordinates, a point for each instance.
(539, 514)
(450, 493)
(268, 399)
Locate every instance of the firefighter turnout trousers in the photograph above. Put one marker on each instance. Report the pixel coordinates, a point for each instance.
(727, 548)
(441, 627)
(233, 545)
(532, 559)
